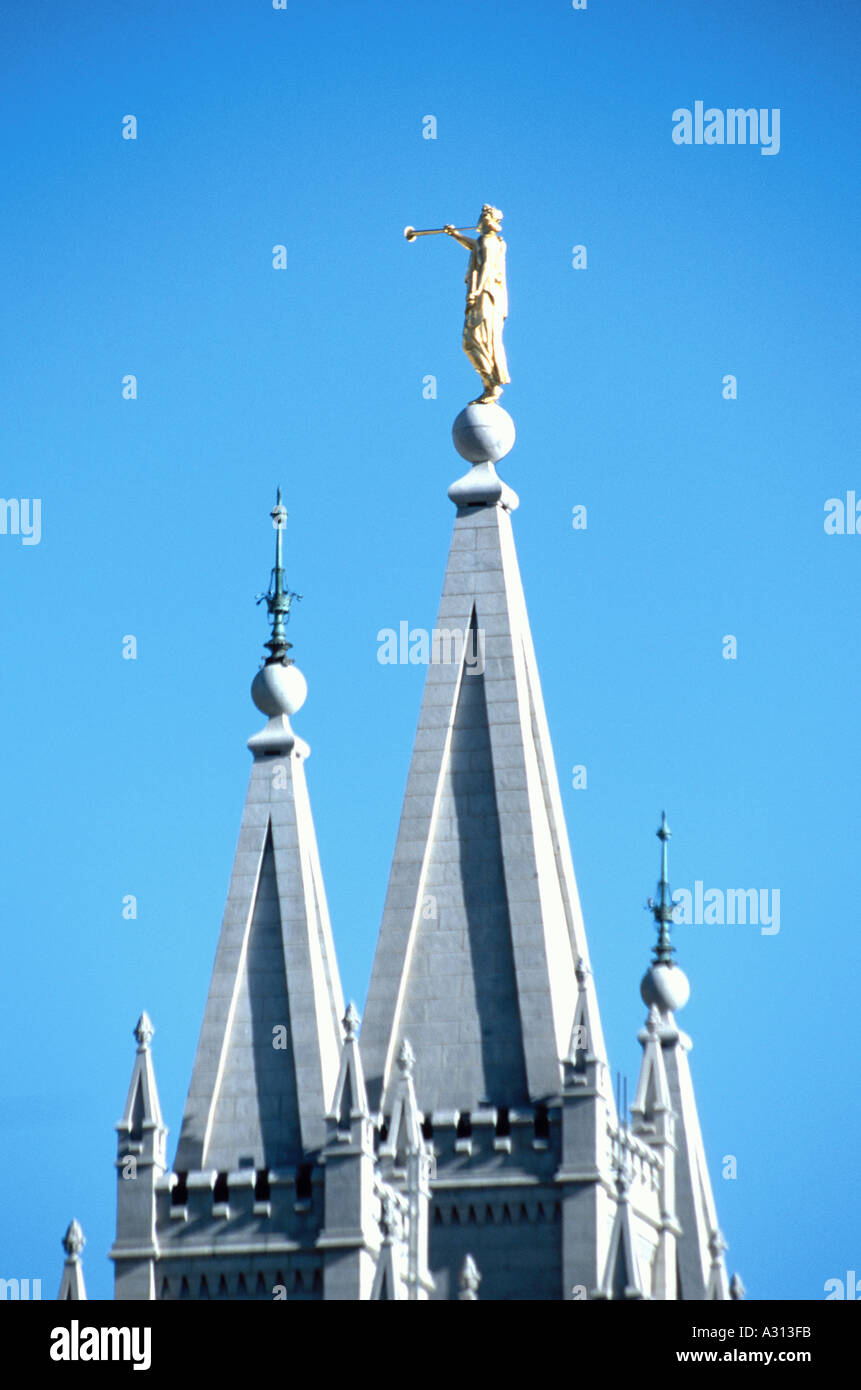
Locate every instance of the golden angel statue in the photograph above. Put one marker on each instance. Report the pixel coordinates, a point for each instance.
(486, 303)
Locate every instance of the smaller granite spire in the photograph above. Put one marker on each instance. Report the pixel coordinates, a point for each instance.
(357, 1264)
(72, 1283)
(580, 1049)
(350, 1102)
(666, 1115)
(405, 1135)
(140, 1164)
(664, 985)
(142, 1117)
(655, 1125)
(408, 1159)
(270, 1045)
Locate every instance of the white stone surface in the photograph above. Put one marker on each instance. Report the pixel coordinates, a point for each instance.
(275, 965)
(279, 689)
(483, 432)
(506, 943)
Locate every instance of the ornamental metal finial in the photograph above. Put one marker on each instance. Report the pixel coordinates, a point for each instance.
(278, 598)
(663, 909)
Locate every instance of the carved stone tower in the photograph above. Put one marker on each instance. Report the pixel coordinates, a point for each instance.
(469, 1145)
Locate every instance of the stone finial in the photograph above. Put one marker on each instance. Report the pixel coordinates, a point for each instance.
(406, 1059)
(74, 1240)
(717, 1245)
(622, 1168)
(351, 1021)
(737, 1290)
(468, 1280)
(144, 1031)
(389, 1216)
(582, 972)
(623, 1180)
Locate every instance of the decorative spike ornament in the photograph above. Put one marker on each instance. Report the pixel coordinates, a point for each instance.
(279, 689)
(664, 983)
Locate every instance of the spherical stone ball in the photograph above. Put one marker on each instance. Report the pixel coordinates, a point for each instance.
(483, 433)
(665, 986)
(279, 689)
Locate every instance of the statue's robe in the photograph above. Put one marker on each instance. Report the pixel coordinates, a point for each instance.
(483, 323)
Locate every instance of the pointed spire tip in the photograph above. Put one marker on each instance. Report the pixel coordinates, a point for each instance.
(144, 1030)
(351, 1021)
(74, 1240)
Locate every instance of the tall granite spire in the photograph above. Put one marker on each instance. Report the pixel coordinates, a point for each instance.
(482, 929)
(482, 964)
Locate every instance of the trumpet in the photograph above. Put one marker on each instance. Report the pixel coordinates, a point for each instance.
(411, 233)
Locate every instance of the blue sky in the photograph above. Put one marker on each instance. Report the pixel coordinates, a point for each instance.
(303, 127)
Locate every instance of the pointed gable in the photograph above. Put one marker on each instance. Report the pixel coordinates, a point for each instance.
(482, 929)
(622, 1276)
(653, 1092)
(258, 1068)
(349, 1102)
(142, 1105)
